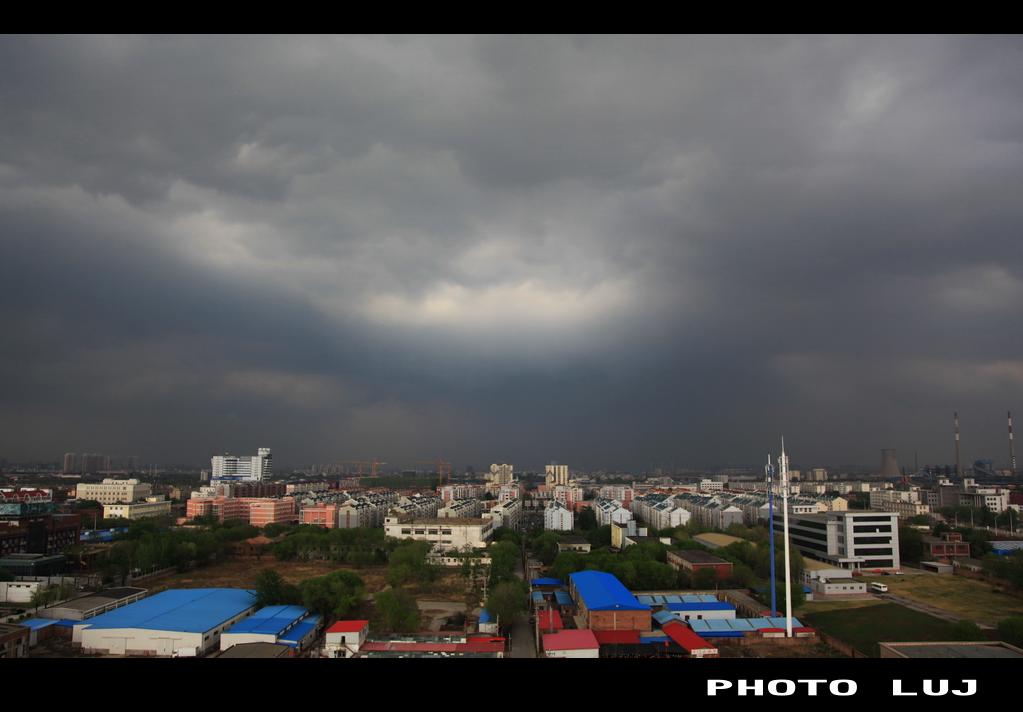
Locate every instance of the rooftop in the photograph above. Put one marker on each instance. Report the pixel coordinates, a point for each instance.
(272, 620)
(716, 540)
(347, 626)
(601, 591)
(696, 556)
(256, 650)
(191, 610)
(570, 640)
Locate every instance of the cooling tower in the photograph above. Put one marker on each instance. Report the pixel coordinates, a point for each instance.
(889, 464)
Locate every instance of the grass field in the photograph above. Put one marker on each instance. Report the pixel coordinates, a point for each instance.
(965, 597)
(865, 626)
(811, 607)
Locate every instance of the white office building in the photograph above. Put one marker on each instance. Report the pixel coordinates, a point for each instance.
(113, 491)
(233, 468)
(867, 540)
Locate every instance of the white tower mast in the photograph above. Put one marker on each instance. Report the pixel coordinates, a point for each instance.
(784, 463)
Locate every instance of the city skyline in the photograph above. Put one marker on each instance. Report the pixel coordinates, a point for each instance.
(607, 250)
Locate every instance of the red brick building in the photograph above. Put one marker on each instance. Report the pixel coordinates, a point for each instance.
(949, 546)
(695, 560)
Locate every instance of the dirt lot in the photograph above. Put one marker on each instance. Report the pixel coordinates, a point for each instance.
(241, 573)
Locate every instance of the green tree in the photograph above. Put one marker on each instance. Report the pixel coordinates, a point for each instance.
(586, 520)
(704, 578)
(911, 544)
(504, 558)
(408, 563)
(334, 595)
(1011, 630)
(272, 589)
(398, 610)
(967, 630)
(507, 601)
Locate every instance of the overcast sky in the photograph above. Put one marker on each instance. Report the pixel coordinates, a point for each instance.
(609, 252)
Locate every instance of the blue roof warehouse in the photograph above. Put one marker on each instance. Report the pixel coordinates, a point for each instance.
(178, 622)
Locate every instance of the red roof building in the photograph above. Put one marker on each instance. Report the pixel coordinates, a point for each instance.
(348, 626)
(571, 644)
(617, 637)
(689, 641)
(549, 621)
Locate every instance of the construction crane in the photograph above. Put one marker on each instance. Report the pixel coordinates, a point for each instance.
(373, 465)
(443, 469)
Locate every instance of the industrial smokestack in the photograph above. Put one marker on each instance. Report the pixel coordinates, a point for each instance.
(959, 467)
(1012, 452)
(889, 463)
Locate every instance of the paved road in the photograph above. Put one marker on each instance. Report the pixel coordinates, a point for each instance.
(523, 644)
(929, 610)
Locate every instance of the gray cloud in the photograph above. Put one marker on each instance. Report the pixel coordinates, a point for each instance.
(604, 250)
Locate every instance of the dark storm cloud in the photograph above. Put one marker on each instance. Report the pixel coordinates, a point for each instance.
(607, 251)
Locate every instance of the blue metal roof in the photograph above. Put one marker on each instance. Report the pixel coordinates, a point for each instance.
(295, 636)
(546, 582)
(484, 616)
(272, 620)
(37, 623)
(663, 617)
(715, 606)
(538, 596)
(562, 598)
(601, 591)
(190, 610)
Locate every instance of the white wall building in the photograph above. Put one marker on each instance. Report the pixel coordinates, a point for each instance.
(113, 491)
(556, 517)
(502, 474)
(243, 469)
(444, 534)
(557, 475)
(158, 506)
(506, 514)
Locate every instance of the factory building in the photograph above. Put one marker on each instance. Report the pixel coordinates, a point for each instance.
(695, 560)
(178, 623)
(605, 604)
(286, 625)
(571, 644)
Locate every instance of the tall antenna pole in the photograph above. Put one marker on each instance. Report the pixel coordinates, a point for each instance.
(959, 469)
(785, 533)
(1012, 452)
(769, 471)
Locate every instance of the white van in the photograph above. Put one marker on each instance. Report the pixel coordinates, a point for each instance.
(878, 588)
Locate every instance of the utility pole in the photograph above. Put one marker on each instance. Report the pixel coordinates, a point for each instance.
(769, 471)
(784, 462)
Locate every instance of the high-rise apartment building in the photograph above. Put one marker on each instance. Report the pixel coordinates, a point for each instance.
(502, 474)
(557, 475)
(242, 469)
